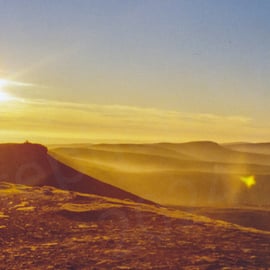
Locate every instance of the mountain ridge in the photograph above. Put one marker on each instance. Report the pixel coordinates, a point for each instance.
(30, 164)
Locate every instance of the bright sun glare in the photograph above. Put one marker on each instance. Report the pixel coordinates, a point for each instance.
(4, 96)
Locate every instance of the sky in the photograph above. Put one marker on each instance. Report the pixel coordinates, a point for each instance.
(134, 71)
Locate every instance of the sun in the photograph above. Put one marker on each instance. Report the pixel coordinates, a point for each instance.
(4, 96)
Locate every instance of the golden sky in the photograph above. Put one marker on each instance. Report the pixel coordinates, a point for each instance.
(141, 71)
(47, 121)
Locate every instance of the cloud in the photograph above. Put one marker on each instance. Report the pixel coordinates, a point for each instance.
(67, 120)
(8, 83)
(124, 111)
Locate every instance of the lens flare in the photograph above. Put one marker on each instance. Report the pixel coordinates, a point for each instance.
(249, 181)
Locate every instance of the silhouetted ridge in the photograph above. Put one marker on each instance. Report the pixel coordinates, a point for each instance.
(30, 164)
(24, 151)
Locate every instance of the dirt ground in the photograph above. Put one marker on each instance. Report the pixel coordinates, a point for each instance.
(46, 228)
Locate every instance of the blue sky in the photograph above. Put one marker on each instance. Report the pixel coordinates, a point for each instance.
(197, 57)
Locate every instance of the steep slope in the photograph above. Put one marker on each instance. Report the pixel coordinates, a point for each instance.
(29, 164)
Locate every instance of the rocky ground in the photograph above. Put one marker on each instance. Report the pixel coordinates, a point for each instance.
(46, 228)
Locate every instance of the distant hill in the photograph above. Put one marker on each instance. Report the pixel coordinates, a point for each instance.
(259, 148)
(211, 151)
(195, 173)
(30, 164)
